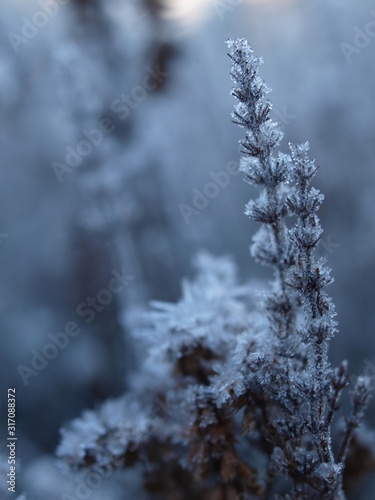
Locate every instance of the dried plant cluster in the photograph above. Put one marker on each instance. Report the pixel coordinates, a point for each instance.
(236, 398)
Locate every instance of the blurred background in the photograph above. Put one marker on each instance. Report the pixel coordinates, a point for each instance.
(114, 116)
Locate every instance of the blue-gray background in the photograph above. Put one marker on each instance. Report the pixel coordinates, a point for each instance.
(60, 241)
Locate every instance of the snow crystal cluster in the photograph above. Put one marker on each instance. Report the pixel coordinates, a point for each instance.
(236, 392)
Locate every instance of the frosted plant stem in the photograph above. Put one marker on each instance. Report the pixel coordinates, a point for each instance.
(261, 167)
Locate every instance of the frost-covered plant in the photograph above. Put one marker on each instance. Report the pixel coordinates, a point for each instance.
(306, 395)
(235, 401)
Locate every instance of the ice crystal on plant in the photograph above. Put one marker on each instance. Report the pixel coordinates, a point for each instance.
(296, 380)
(211, 311)
(232, 370)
